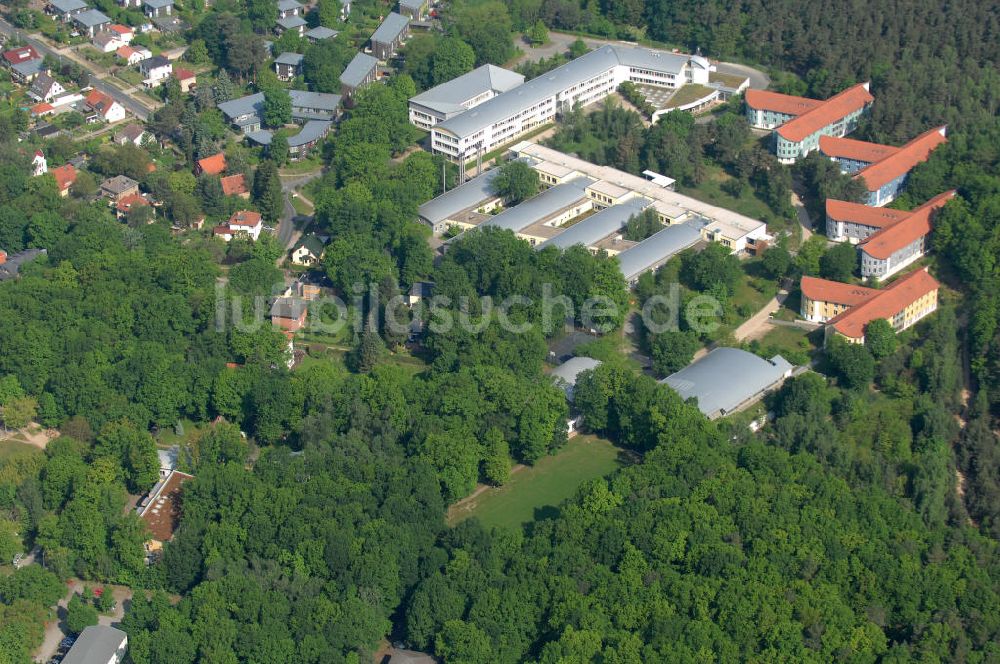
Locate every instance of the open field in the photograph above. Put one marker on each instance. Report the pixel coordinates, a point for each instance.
(536, 491)
(11, 448)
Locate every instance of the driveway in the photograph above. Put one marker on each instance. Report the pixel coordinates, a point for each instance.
(55, 631)
(803, 216)
(287, 234)
(759, 324)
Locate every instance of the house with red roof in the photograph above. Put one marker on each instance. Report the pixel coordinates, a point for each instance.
(214, 165)
(235, 185)
(186, 79)
(798, 123)
(243, 222)
(104, 107)
(133, 55)
(882, 168)
(65, 176)
(124, 33)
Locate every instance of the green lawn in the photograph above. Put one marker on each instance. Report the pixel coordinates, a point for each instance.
(300, 207)
(13, 448)
(688, 94)
(535, 492)
(710, 191)
(795, 344)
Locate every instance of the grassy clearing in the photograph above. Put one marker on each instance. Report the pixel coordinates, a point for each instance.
(300, 207)
(795, 344)
(13, 448)
(535, 492)
(710, 191)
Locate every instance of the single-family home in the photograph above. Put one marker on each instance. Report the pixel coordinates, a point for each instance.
(128, 203)
(132, 133)
(24, 63)
(39, 164)
(44, 88)
(359, 72)
(107, 42)
(186, 79)
(155, 70)
(41, 109)
(289, 313)
(288, 65)
(64, 10)
(91, 21)
(415, 10)
(243, 223)
(244, 113)
(390, 35)
(98, 644)
(235, 185)
(65, 176)
(104, 107)
(288, 8)
(320, 33)
(294, 23)
(133, 55)
(157, 8)
(420, 291)
(124, 32)
(119, 187)
(214, 165)
(307, 251)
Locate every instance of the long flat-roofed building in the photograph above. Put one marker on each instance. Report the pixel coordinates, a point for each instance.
(590, 231)
(656, 250)
(548, 210)
(902, 303)
(460, 94)
(728, 380)
(580, 82)
(466, 206)
(798, 123)
(898, 245)
(883, 169)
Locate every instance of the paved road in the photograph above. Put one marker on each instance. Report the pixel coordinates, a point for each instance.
(287, 234)
(141, 111)
(758, 79)
(803, 216)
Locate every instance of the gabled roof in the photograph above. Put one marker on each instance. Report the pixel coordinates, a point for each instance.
(21, 54)
(321, 32)
(358, 69)
(213, 165)
(96, 643)
(119, 184)
(468, 194)
(103, 38)
(28, 67)
(126, 203)
(288, 5)
(824, 290)
(289, 307)
(125, 52)
(538, 208)
(312, 131)
(449, 97)
(903, 159)
(289, 58)
(877, 217)
(917, 224)
(412, 4)
(91, 18)
(100, 102)
(836, 107)
(390, 29)
(245, 218)
(765, 100)
(42, 108)
(67, 6)
(848, 148)
(310, 242)
(120, 29)
(154, 62)
(885, 304)
(248, 105)
(565, 375)
(43, 84)
(234, 185)
(182, 74)
(157, 4)
(65, 176)
(598, 226)
(657, 248)
(291, 22)
(130, 132)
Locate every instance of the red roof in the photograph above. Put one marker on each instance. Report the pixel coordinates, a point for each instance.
(183, 74)
(902, 160)
(42, 109)
(126, 52)
(213, 165)
(65, 176)
(234, 185)
(826, 113)
(865, 215)
(120, 29)
(126, 203)
(18, 55)
(775, 101)
(917, 224)
(824, 290)
(99, 101)
(885, 304)
(163, 513)
(244, 218)
(848, 148)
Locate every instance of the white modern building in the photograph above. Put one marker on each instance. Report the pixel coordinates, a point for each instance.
(583, 81)
(460, 94)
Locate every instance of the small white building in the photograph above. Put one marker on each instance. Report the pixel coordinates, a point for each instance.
(39, 165)
(45, 88)
(155, 70)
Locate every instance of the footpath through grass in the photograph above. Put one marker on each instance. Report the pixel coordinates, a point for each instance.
(536, 491)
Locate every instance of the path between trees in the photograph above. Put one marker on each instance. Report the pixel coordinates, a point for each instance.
(759, 324)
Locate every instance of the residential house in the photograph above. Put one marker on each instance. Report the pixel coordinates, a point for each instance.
(390, 35)
(24, 63)
(124, 32)
(244, 113)
(65, 176)
(460, 94)
(186, 79)
(157, 8)
(132, 133)
(235, 185)
(564, 377)
(308, 106)
(243, 222)
(91, 21)
(104, 107)
(214, 165)
(301, 143)
(798, 123)
(119, 187)
(308, 251)
(107, 42)
(288, 65)
(65, 10)
(898, 245)
(415, 10)
(155, 70)
(128, 203)
(45, 88)
(133, 55)
(288, 8)
(294, 23)
(883, 169)
(98, 644)
(902, 304)
(10, 266)
(320, 33)
(359, 72)
(289, 313)
(41, 109)
(420, 291)
(39, 165)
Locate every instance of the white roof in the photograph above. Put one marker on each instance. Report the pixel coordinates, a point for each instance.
(565, 374)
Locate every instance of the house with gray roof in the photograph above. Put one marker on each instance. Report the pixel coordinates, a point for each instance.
(314, 105)
(157, 8)
(288, 8)
(390, 35)
(465, 206)
(727, 380)
(98, 644)
(10, 266)
(657, 249)
(244, 113)
(295, 23)
(27, 70)
(413, 9)
(461, 94)
(91, 21)
(596, 227)
(359, 72)
(565, 375)
(301, 143)
(288, 65)
(64, 10)
(320, 33)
